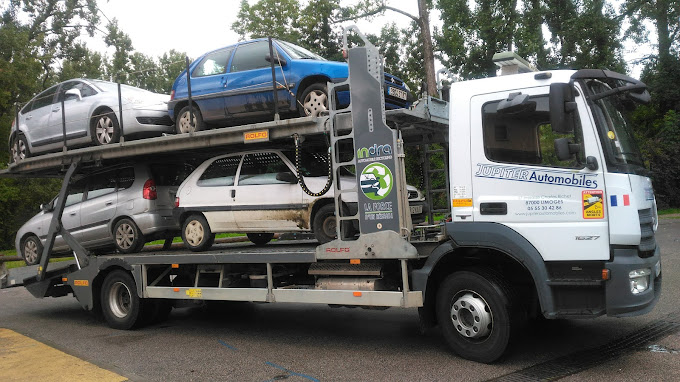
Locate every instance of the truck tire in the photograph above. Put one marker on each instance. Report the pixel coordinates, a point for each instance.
(183, 124)
(196, 233)
(105, 128)
(31, 250)
(314, 100)
(127, 237)
(121, 306)
(260, 238)
(476, 314)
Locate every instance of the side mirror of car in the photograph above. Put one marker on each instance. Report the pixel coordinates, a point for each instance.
(74, 93)
(287, 177)
(279, 60)
(46, 207)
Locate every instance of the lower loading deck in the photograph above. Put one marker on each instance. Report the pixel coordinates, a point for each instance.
(277, 272)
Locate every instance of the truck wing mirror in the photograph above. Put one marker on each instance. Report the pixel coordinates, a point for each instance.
(516, 103)
(278, 60)
(74, 93)
(562, 108)
(565, 150)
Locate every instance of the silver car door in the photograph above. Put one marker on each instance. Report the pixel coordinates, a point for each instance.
(37, 120)
(98, 208)
(76, 115)
(214, 194)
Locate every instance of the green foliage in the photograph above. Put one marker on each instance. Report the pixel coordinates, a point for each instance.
(19, 200)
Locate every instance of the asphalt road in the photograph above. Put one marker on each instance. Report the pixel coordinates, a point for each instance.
(261, 342)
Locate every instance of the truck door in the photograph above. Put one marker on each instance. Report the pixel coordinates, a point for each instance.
(519, 181)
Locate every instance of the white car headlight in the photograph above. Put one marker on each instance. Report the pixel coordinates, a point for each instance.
(639, 280)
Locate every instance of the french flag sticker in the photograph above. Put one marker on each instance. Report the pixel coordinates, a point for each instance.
(616, 200)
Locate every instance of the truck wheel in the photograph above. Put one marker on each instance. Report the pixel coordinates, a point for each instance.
(475, 312)
(260, 238)
(19, 150)
(196, 233)
(32, 250)
(105, 128)
(184, 125)
(314, 100)
(324, 224)
(127, 237)
(121, 306)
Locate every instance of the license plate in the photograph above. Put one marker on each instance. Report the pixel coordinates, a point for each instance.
(394, 92)
(415, 210)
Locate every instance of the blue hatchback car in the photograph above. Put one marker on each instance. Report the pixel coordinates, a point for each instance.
(233, 85)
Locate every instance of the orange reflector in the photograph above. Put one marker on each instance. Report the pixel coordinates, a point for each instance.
(64, 279)
(175, 289)
(605, 274)
(356, 294)
(355, 261)
(175, 266)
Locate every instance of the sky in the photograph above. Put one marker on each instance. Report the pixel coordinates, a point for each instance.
(199, 26)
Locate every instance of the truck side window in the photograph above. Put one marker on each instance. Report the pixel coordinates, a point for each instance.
(220, 172)
(526, 137)
(261, 168)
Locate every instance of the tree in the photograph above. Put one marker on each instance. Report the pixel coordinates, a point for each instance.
(268, 18)
(118, 67)
(82, 63)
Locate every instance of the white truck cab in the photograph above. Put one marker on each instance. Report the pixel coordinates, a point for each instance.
(544, 168)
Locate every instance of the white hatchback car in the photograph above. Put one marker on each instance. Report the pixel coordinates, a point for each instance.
(90, 116)
(257, 193)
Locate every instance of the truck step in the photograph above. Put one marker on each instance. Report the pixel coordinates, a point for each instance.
(344, 269)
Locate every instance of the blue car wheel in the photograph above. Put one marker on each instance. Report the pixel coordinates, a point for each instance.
(184, 125)
(314, 100)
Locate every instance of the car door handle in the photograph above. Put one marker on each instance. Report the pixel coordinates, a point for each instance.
(495, 208)
(29, 117)
(56, 110)
(233, 193)
(73, 214)
(110, 202)
(224, 82)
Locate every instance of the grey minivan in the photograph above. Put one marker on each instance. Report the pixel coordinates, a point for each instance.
(118, 208)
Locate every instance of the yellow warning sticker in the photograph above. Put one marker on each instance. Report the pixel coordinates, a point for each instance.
(195, 293)
(593, 204)
(256, 136)
(462, 202)
(81, 283)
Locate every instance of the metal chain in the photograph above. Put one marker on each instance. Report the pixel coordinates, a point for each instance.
(301, 180)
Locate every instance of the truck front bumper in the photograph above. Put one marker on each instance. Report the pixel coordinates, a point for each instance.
(621, 301)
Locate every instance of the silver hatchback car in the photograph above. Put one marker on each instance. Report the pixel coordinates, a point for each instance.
(121, 207)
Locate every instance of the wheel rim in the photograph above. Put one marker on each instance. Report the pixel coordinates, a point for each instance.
(19, 150)
(194, 233)
(329, 226)
(125, 236)
(185, 125)
(120, 300)
(471, 316)
(315, 103)
(104, 130)
(30, 251)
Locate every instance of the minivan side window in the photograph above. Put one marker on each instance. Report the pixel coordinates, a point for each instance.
(101, 184)
(44, 99)
(213, 63)
(220, 172)
(261, 168)
(125, 177)
(250, 56)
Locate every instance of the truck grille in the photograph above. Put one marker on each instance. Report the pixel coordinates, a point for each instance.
(647, 240)
(393, 80)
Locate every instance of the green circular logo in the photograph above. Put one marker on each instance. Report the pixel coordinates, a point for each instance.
(376, 181)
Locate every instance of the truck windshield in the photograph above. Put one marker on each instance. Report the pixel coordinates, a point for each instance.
(612, 116)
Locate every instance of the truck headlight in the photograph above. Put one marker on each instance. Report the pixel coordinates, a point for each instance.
(639, 280)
